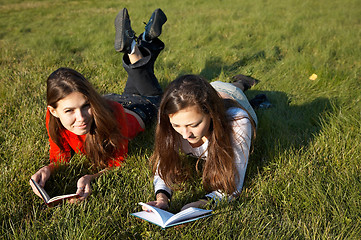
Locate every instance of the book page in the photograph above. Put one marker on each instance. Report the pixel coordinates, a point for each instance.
(186, 214)
(162, 215)
(149, 216)
(62, 197)
(188, 220)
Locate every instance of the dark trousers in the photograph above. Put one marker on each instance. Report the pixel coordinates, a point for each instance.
(141, 78)
(142, 92)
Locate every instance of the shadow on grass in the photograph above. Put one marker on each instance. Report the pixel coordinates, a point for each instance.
(214, 65)
(284, 126)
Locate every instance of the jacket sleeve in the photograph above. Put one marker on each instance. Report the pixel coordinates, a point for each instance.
(160, 186)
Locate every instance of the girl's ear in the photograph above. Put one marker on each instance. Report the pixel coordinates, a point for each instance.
(53, 111)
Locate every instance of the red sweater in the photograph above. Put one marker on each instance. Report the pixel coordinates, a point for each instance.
(71, 141)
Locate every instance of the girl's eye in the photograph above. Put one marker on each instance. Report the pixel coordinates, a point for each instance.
(68, 111)
(195, 125)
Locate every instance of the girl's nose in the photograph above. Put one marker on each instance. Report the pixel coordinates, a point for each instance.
(80, 116)
(186, 133)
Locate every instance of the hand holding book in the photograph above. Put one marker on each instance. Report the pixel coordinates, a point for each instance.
(161, 202)
(83, 188)
(40, 177)
(47, 199)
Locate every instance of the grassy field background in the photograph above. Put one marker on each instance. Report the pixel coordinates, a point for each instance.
(303, 180)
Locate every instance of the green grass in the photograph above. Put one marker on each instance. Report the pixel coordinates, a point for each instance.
(303, 180)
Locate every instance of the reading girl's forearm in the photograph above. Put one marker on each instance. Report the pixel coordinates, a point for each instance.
(197, 204)
(162, 201)
(162, 197)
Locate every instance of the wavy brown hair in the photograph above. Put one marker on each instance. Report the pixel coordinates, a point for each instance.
(219, 171)
(104, 137)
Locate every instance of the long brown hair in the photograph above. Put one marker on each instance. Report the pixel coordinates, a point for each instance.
(219, 171)
(104, 137)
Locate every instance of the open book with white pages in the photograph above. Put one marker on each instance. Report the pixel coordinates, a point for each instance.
(166, 219)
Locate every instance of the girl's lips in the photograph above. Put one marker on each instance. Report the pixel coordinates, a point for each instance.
(192, 139)
(82, 126)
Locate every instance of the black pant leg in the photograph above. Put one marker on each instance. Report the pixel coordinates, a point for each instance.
(141, 78)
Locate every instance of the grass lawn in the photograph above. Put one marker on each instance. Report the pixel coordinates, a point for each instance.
(303, 179)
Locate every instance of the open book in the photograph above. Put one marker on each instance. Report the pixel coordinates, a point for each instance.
(55, 200)
(166, 219)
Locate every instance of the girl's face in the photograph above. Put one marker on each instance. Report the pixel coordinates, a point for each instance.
(74, 113)
(191, 124)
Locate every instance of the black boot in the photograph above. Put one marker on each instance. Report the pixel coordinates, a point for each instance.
(124, 35)
(260, 101)
(154, 27)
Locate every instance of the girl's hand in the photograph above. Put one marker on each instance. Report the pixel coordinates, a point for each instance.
(83, 188)
(159, 204)
(198, 204)
(162, 202)
(41, 176)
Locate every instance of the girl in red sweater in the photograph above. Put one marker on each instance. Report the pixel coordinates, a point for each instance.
(80, 120)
